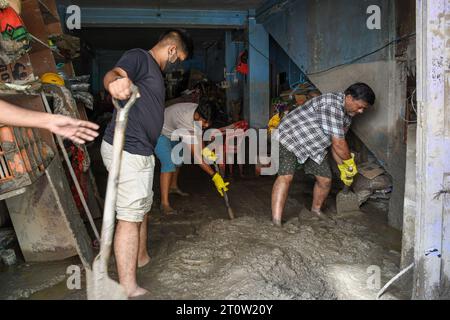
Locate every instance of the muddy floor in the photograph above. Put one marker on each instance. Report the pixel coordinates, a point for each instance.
(200, 254)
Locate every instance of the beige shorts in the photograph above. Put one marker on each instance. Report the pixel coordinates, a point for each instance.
(134, 194)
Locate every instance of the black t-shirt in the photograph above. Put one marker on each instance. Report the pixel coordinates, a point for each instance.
(146, 117)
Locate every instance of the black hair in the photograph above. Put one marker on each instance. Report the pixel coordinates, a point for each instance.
(361, 91)
(205, 108)
(182, 39)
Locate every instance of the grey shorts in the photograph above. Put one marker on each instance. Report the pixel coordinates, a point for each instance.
(135, 188)
(288, 165)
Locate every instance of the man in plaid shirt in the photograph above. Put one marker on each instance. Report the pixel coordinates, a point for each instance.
(306, 134)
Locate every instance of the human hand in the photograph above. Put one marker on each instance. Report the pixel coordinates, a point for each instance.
(347, 181)
(209, 154)
(120, 88)
(221, 185)
(78, 131)
(350, 167)
(274, 122)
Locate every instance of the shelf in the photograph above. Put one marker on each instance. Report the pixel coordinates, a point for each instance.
(12, 90)
(39, 45)
(11, 194)
(47, 14)
(13, 93)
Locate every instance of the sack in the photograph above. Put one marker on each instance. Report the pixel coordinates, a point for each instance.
(14, 37)
(15, 4)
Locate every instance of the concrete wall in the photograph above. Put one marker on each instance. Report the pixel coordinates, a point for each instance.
(281, 62)
(409, 216)
(432, 228)
(319, 34)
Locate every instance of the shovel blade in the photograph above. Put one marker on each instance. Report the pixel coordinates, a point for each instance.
(101, 287)
(230, 213)
(346, 201)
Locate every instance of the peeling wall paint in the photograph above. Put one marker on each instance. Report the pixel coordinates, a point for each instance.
(433, 165)
(319, 34)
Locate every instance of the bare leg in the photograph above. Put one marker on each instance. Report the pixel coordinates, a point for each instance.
(174, 179)
(165, 185)
(174, 189)
(126, 246)
(143, 257)
(279, 195)
(321, 190)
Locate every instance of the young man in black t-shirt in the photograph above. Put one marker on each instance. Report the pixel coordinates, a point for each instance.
(145, 121)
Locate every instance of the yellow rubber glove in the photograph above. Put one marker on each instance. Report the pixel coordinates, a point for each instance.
(344, 177)
(347, 181)
(208, 154)
(221, 185)
(274, 122)
(350, 167)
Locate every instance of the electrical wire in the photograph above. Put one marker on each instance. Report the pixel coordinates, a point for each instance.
(410, 99)
(365, 55)
(345, 63)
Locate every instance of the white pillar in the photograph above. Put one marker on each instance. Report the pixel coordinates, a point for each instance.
(433, 156)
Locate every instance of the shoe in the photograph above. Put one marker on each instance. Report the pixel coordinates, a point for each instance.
(178, 192)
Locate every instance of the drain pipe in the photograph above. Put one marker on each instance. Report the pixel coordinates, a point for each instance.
(432, 252)
(390, 282)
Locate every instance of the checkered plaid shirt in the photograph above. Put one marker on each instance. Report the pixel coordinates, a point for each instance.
(307, 130)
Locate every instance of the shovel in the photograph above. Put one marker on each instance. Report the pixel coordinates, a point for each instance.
(346, 200)
(99, 285)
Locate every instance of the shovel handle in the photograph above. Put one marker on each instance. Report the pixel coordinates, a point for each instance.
(111, 189)
(346, 188)
(225, 196)
(130, 102)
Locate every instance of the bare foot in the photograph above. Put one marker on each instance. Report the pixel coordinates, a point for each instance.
(168, 210)
(276, 222)
(320, 215)
(137, 292)
(176, 190)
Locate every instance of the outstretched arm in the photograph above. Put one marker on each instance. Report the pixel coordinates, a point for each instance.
(76, 130)
(205, 167)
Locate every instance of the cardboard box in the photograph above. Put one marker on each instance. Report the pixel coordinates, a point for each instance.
(370, 170)
(19, 71)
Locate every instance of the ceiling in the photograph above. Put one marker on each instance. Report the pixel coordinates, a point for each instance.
(127, 38)
(175, 4)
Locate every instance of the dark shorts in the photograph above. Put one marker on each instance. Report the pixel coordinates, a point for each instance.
(289, 164)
